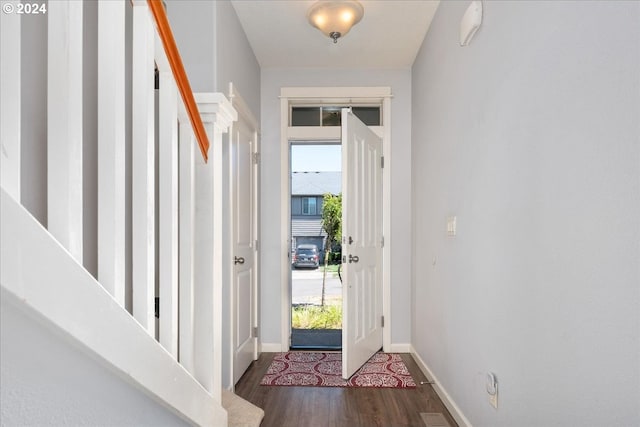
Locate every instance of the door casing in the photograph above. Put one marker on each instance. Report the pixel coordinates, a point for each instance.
(250, 126)
(335, 95)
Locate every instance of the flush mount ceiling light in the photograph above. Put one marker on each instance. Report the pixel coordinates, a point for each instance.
(335, 18)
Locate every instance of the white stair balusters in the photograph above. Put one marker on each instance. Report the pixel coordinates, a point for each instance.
(143, 169)
(167, 204)
(64, 125)
(10, 134)
(111, 147)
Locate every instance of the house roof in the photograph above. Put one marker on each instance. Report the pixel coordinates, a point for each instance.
(315, 183)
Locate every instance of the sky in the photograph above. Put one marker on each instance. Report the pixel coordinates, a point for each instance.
(316, 158)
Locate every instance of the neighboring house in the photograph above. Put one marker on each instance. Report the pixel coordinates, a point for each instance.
(307, 196)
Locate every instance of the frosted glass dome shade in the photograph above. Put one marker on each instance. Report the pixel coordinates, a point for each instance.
(335, 18)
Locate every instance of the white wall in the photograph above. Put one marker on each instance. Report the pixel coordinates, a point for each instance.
(400, 239)
(531, 137)
(48, 381)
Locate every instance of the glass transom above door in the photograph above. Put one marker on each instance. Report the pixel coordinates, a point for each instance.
(330, 115)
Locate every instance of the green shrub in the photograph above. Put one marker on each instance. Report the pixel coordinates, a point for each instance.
(315, 317)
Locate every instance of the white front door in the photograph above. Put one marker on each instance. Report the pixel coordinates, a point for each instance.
(243, 172)
(361, 243)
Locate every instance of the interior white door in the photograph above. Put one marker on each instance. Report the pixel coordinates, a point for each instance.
(361, 243)
(243, 171)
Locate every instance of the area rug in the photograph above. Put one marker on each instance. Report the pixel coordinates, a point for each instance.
(297, 368)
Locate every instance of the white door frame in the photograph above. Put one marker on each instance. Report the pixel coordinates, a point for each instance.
(245, 114)
(336, 96)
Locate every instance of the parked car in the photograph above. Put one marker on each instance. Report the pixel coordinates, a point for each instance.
(306, 256)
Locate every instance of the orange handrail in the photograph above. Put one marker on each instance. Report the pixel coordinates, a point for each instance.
(173, 55)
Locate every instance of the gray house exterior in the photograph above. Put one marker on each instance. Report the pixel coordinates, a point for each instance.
(307, 193)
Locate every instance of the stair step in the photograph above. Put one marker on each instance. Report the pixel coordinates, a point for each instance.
(241, 413)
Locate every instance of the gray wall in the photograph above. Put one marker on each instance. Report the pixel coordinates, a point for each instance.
(530, 136)
(215, 51)
(271, 274)
(46, 380)
(192, 22)
(235, 61)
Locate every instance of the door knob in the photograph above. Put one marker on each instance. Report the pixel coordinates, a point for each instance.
(238, 260)
(353, 259)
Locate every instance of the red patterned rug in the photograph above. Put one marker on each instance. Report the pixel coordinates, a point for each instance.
(297, 368)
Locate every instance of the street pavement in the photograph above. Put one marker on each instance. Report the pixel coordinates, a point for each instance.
(306, 286)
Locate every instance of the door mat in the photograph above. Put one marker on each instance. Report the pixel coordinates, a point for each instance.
(311, 369)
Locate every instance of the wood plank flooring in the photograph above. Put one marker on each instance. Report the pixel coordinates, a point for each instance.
(337, 406)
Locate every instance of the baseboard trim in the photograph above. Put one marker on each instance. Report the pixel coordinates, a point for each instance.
(271, 347)
(400, 348)
(455, 411)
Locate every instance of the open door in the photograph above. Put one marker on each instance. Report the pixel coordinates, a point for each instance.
(244, 276)
(361, 243)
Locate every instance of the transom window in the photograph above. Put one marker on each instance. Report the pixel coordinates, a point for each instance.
(330, 115)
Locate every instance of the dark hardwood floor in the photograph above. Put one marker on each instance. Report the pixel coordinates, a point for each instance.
(337, 406)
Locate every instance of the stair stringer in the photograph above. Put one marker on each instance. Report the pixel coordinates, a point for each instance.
(43, 278)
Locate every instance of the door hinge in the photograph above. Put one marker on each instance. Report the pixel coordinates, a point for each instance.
(382, 321)
(382, 162)
(256, 158)
(256, 245)
(382, 242)
(255, 332)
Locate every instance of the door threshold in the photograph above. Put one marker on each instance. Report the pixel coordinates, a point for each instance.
(315, 348)
(317, 339)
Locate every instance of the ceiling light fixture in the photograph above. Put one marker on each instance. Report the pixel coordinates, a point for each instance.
(335, 18)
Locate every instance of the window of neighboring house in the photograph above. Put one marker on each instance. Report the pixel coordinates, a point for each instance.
(309, 206)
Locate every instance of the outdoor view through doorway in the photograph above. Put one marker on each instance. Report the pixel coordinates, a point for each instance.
(316, 216)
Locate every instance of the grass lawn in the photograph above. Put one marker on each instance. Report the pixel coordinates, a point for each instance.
(312, 316)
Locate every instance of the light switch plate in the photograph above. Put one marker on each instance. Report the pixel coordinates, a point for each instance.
(451, 226)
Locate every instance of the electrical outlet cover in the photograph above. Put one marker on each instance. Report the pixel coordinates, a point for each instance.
(493, 400)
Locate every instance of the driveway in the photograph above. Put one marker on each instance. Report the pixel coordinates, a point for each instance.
(306, 286)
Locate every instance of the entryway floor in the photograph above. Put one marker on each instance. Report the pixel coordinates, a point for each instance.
(337, 406)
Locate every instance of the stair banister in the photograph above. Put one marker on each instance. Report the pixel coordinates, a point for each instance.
(175, 61)
(185, 226)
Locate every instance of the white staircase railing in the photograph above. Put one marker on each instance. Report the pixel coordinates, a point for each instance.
(174, 241)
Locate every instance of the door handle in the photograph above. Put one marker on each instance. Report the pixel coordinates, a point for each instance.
(353, 259)
(238, 260)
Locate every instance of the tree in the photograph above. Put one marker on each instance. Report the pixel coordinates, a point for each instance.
(332, 225)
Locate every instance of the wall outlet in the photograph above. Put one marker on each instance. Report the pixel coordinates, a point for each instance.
(492, 389)
(493, 400)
